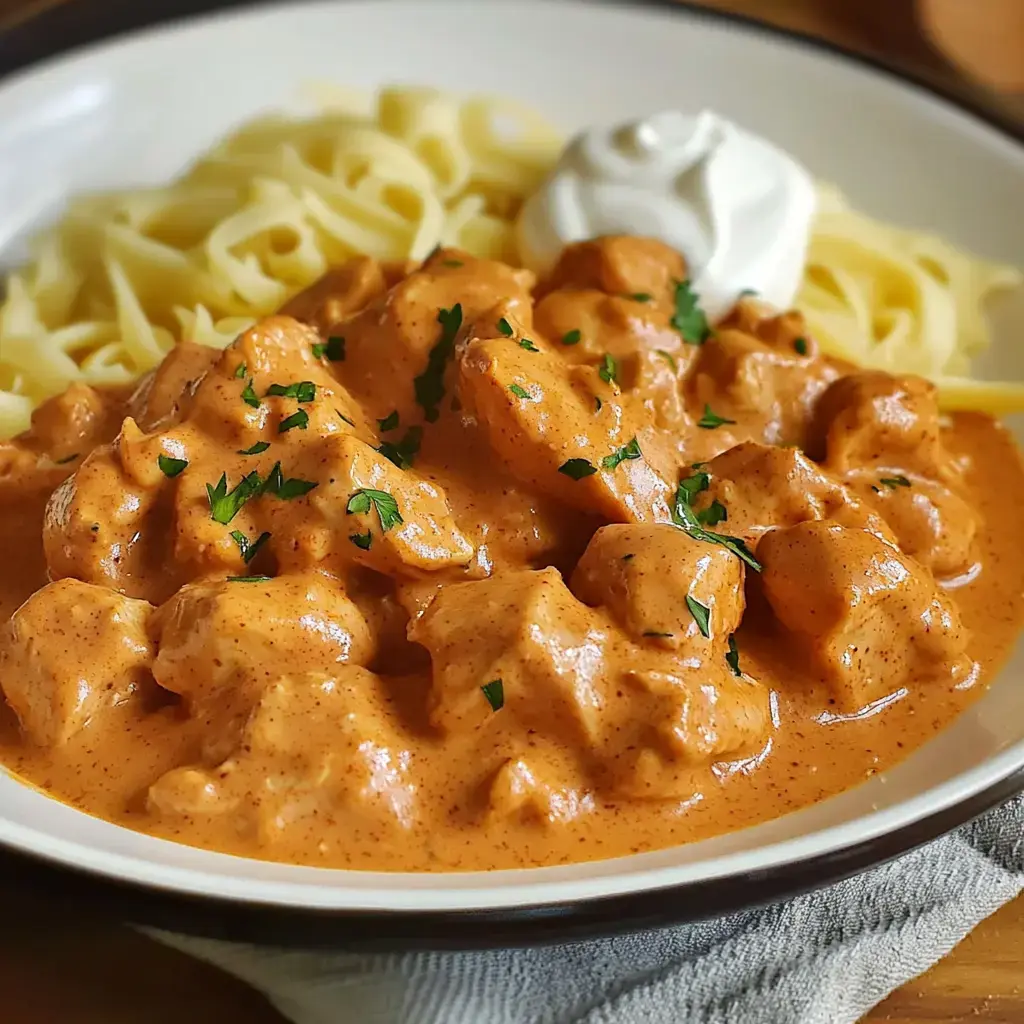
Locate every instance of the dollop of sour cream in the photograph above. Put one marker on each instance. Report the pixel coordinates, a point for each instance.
(737, 207)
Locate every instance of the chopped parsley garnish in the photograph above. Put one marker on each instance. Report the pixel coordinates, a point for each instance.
(641, 297)
(344, 418)
(714, 514)
(362, 540)
(225, 504)
(249, 579)
(520, 392)
(894, 481)
(401, 453)
(701, 615)
(171, 467)
(748, 291)
(452, 263)
(689, 319)
(389, 422)
(577, 469)
(384, 503)
(629, 557)
(494, 691)
(333, 348)
(285, 489)
(257, 449)
(627, 451)
(684, 516)
(609, 371)
(732, 659)
(528, 345)
(572, 337)
(598, 404)
(249, 551)
(241, 370)
(71, 458)
(429, 385)
(660, 636)
(298, 419)
(249, 396)
(711, 420)
(505, 328)
(669, 358)
(801, 346)
(303, 391)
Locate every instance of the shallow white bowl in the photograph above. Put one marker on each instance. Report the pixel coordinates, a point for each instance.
(135, 111)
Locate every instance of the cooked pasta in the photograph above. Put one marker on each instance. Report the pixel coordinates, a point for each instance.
(261, 216)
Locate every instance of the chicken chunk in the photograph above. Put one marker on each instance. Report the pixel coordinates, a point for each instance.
(164, 396)
(223, 638)
(657, 582)
(759, 487)
(567, 432)
(71, 655)
(620, 265)
(342, 292)
(869, 617)
(317, 751)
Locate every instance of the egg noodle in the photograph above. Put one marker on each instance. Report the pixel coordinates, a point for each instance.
(124, 275)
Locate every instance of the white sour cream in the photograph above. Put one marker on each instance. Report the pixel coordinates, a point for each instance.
(738, 208)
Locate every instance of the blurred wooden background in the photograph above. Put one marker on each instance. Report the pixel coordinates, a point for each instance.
(56, 968)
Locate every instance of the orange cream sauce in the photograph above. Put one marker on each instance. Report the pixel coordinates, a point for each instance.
(337, 705)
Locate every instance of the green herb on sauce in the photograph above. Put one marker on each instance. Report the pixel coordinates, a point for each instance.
(520, 392)
(629, 557)
(627, 451)
(402, 453)
(249, 551)
(362, 540)
(249, 579)
(344, 418)
(298, 419)
(528, 345)
(669, 358)
(661, 636)
(494, 691)
(801, 346)
(452, 263)
(685, 517)
(714, 514)
(572, 337)
(701, 615)
(333, 348)
(286, 489)
(894, 481)
(389, 422)
(249, 396)
(241, 370)
(711, 420)
(429, 385)
(689, 319)
(257, 449)
(171, 467)
(225, 504)
(598, 404)
(609, 370)
(732, 658)
(641, 297)
(577, 469)
(303, 391)
(505, 328)
(71, 458)
(384, 503)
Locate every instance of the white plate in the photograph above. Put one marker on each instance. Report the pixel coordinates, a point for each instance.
(137, 110)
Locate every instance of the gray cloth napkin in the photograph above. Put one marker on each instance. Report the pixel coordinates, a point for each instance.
(823, 958)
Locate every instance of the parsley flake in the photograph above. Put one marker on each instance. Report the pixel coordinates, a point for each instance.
(452, 263)
(257, 449)
(241, 370)
(362, 540)
(520, 392)
(627, 451)
(505, 328)
(249, 551)
(528, 345)
(249, 579)
(171, 467)
(572, 337)
(249, 396)
(701, 615)
(629, 557)
(577, 469)
(598, 404)
(684, 516)
(711, 420)
(669, 358)
(689, 319)
(286, 489)
(894, 481)
(403, 452)
(385, 504)
(298, 419)
(333, 348)
(71, 458)
(494, 691)
(660, 636)
(609, 370)
(344, 418)
(641, 297)
(732, 659)
(303, 391)
(801, 346)
(389, 422)
(429, 385)
(714, 514)
(225, 504)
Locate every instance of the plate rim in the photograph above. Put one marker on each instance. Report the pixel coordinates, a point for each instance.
(64, 31)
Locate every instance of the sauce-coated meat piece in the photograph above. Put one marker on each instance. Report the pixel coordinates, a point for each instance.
(870, 618)
(71, 655)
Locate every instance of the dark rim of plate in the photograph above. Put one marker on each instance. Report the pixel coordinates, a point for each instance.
(52, 27)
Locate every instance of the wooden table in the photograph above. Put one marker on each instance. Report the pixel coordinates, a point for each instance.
(108, 975)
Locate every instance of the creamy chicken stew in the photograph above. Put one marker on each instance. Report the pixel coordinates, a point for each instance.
(444, 569)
